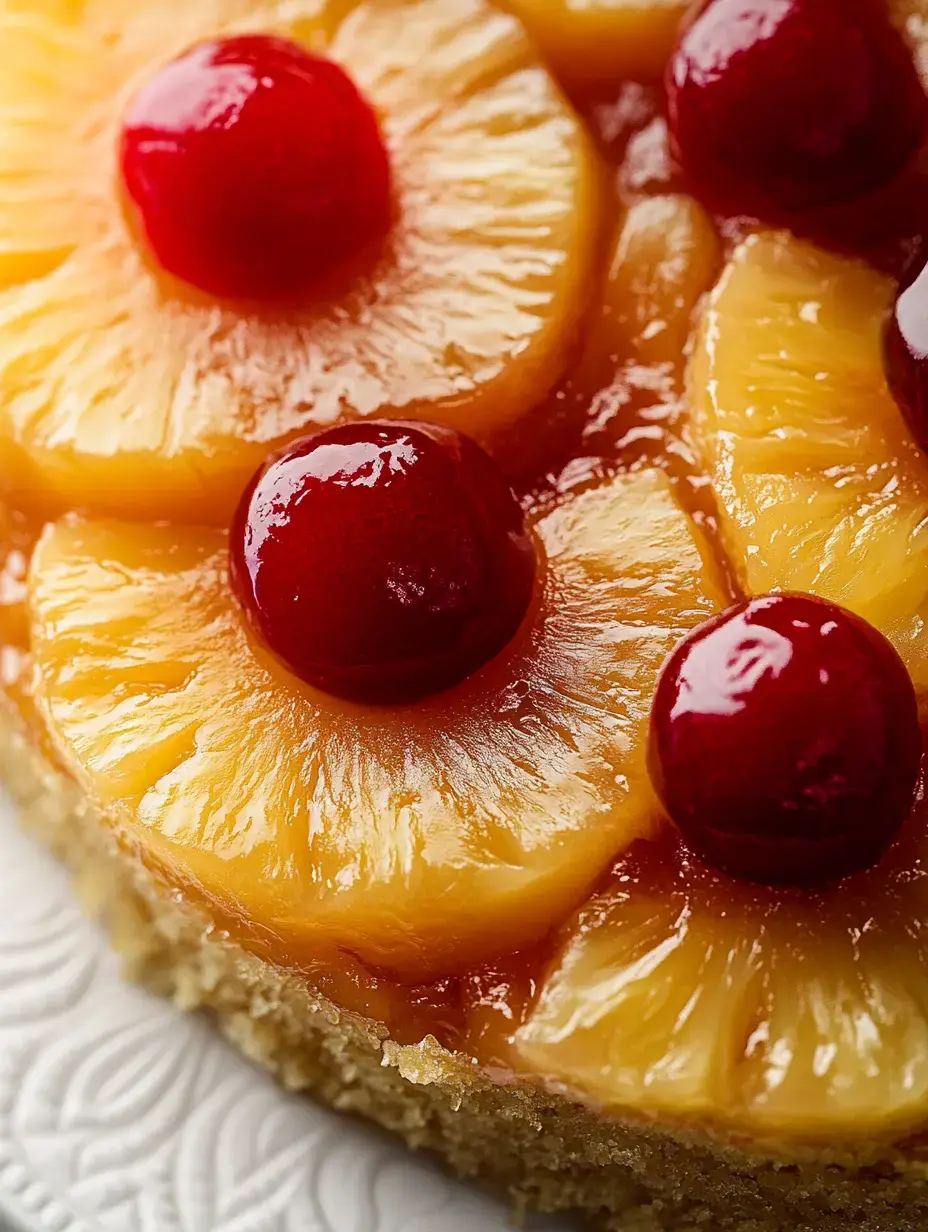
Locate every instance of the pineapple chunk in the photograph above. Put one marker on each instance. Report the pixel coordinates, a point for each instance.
(124, 395)
(684, 994)
(596, 42)
(664, 257)
(821, 487)
(426, 839)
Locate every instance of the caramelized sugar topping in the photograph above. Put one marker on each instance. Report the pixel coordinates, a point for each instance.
(621, 404)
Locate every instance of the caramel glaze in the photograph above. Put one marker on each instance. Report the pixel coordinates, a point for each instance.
(606, 415)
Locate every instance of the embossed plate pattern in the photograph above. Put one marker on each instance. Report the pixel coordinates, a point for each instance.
(119, 1115)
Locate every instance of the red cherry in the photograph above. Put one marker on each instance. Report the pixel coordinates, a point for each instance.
(778, 107)
(785, 742)
(906, 353)
(254, 167)
(383, 561)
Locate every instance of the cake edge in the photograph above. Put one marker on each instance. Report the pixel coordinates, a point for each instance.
(542, 1149)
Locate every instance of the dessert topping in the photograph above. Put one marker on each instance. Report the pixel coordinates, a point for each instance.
(785, 741)
(254, 167)
(383, 561)
(778, 107)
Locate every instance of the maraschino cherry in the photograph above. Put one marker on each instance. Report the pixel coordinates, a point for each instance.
(383, 561)
(254, 167)
(785, 741)
(906, 352)
(781, 107)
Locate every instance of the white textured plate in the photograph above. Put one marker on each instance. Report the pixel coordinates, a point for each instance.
(119, 1115)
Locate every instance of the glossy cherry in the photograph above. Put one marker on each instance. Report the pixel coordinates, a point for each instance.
(906, 352)
(383, 561)
(785, 741)
(254, 167)
(779, 107)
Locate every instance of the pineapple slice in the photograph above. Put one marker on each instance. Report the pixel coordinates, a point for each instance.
(664, 257)
(427, 839)
(821, 487)
(597, 42)
(688, 995)
(124, 395)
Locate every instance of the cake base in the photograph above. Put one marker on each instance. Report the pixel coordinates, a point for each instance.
(544, 1150)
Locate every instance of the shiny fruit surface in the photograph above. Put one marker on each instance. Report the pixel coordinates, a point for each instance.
(131, 394)
(785, 741)
(427, 839)
(784, 1014)
(820, 485)
(383, 561)
(254, 166)
(778, 107)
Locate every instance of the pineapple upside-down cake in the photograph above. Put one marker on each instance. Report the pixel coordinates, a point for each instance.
(462, 609)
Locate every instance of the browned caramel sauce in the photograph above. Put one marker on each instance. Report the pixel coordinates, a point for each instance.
(609, 413)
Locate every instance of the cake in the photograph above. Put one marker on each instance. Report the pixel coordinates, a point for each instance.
(462, 613)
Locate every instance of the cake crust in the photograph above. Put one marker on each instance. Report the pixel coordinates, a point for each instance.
(542, 1148)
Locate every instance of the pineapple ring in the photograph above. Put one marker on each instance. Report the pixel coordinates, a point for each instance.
(688, 995)
(121, 395)
(426, 839)
(821, 486)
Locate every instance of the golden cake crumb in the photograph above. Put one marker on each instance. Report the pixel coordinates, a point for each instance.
(542, 1149)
